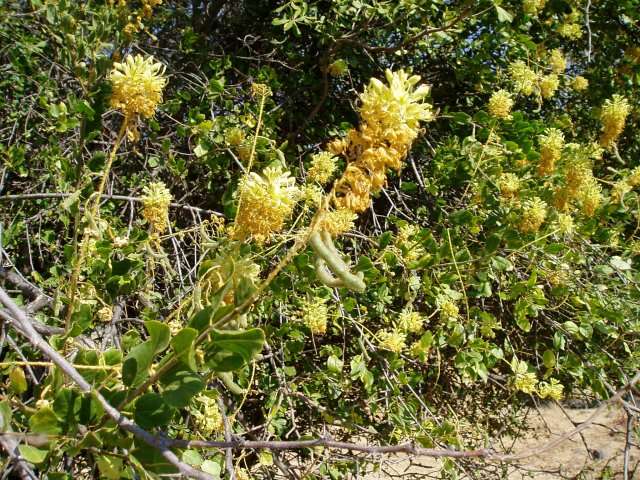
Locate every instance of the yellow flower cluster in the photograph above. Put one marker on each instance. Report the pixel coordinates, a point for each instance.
(557, 61)
(155, 203)
(500, 104)
(409, 249)
(613, 117)
(579, 83)
(234, 136)
(549, 85)
(394, 340)
(105, 314)
(265, 202)
(260, 90)
(524, 78)
(336, 222)
(315, 315)
(448, 310)
(391, 115)
(553, 389)
(565, 225)
(323, 165)
(572, 31)
(551, 144)
(410, 321)
(533, 7)
(533, 215)
(148, 6)
(509, 185)
(208, 418)
(137, 85)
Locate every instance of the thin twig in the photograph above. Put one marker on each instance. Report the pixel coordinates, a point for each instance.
(127, 198)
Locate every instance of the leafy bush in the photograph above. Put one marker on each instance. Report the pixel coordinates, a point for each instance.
(370, 221)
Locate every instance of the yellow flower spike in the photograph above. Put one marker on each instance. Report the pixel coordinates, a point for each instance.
(548, 85)
(500, 104)
(208, 418)
(410, 321)
(533, 7)
(509, 185)
(260, 90)
(557, 61)
(137, 85)
(156, 201)
(565, 225)
(533, 215)
(579, 83)
(523, 77)
(551, 144)
(323, 165)
(553, 389)
(315, 315)
(394, 341)
(336, 222)
(613, 117)
(267, 201)
(572, 31)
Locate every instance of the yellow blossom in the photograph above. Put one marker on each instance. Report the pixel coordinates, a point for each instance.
(323, 165)
(613, 117)
(551, 144)
(548, 85)
(533, 7)
(500, 104)
(557, 61)
(579, 83)
(509, 185)
(391, 116)
(337, 68)
(265, 202)
(394, 341)
(137, 85)
(315, 315)
(524, 78)
(336, 222)
(410, 321)
(572, 31)
(208, 418)
(590, 196)
(105, 314)
(533, 215)
(565, 225)
(448, 310)
(553, 389)
(156, 201)
(312, 195)
(260, 90)
(234, 136)
(524, 380)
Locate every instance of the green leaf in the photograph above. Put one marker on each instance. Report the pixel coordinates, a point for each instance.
(180, 387)
(503, 15)
(160, 335)
(18, 380)
(135, 367)
(110, 467)
(549, 358)
(232, 350)
(182, 345)
(45, 421)
(33, 454)
(152, 411)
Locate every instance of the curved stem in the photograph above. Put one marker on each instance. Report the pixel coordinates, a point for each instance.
(91, 213)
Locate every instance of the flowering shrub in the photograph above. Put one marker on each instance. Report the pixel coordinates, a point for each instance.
(372, 222)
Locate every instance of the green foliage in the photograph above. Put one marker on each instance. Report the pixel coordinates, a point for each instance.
(162, 323)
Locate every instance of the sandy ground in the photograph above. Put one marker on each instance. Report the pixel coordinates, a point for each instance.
(597, 454)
